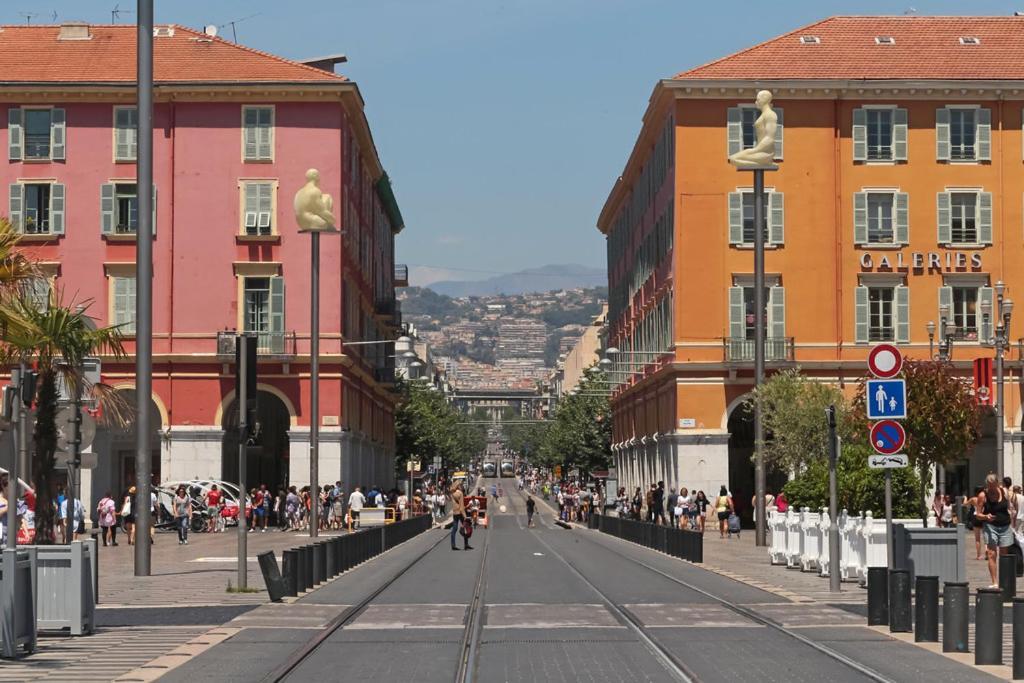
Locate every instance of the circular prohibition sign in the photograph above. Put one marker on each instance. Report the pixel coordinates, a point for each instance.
(888, 437)
(885, 361)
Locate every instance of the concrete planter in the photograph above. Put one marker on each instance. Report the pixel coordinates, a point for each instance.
(931, 552)
(65, 586)
(17, 601)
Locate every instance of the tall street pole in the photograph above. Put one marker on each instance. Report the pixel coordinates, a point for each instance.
(242, 343)
(999, 405)
(144, 290)
(21, 444)
(314, 388)
(833, 504)
(760, 533)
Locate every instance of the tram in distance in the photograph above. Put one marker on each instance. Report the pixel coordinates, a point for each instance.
(507, 468)
(490, 469)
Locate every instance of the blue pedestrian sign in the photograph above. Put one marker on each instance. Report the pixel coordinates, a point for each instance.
(886, 399)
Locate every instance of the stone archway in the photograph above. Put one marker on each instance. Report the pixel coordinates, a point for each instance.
(267, 461)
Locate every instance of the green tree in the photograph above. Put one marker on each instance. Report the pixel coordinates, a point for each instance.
(943, 418)
(580, 432)
(427, 426)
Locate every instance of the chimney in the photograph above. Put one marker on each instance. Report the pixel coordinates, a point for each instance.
(77, 30)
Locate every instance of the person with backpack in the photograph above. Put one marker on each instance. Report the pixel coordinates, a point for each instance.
(723, 508)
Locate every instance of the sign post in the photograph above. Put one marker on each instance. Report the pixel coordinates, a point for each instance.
(886, 401)
(833, 503)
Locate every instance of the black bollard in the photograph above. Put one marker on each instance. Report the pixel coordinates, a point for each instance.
(290, 569)
(926, 609)
(319, 563)
(955, 615)
(988, 626)
(332, 568)
(1008, 577)
(1018, 639)
(899, 601)
(303, 564)
(878, 596)
(307, 567)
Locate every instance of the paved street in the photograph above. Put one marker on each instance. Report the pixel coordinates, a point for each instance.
(556, 605)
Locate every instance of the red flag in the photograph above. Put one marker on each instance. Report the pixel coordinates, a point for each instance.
(983, 381)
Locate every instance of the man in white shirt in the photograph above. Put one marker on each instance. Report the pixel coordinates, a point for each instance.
(355, 506)
(79, 518)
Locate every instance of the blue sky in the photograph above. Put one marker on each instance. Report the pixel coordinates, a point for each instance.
(503, 123)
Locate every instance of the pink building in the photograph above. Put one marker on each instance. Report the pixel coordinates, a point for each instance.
(235, 130)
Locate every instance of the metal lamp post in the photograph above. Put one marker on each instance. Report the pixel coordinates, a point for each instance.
(1000, 340)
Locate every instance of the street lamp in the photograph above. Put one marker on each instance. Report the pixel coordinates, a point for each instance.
(1001, 341)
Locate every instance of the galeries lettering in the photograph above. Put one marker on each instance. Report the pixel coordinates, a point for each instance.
(918, 262)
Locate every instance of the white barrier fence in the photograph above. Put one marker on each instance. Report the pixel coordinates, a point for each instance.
(800, 540)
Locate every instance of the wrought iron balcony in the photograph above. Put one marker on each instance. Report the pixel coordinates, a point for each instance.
(401, 275)
(268, 344)
(741, 350)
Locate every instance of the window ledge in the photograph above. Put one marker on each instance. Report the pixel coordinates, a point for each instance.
(965, 162)
(39, 238)
(750, 247)
(39, 160)
(248, 239)
(125, 161)
(965, 245)
(880, 246)
(257, 161)
(881, 162)
(120, 237)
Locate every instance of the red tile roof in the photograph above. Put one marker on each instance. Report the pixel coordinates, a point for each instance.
(926, 48)
(33, 54)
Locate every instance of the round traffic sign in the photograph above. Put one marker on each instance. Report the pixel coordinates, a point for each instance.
(885, 361)
(888, 437)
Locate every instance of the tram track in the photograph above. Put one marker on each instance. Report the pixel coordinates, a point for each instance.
(745, 612)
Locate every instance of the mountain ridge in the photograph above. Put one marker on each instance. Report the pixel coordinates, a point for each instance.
(528, 281)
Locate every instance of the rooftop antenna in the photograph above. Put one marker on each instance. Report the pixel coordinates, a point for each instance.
(116, 13)
(910, 10)
(29, 15)
(234, 33)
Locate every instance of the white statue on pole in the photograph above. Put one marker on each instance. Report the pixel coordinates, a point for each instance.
(313, 207)
(762, 154)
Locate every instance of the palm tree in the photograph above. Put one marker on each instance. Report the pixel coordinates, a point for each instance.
(58, 339)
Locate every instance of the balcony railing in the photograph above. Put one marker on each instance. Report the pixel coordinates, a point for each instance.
(401, 275)
(741, 350)
(268, 344)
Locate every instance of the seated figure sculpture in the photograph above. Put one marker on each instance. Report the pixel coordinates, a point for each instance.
(762, 154)
(312, 206)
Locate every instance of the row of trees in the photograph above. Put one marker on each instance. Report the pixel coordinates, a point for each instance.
(427, 426)
(942, 425)
(41, 330)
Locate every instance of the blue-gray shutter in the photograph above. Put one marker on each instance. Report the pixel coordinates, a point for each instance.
(985, 217)
(901, 210)
(735, 218)
(986, 300)
(945, 301)
(736, 313)
(983, 133)
(734, 127)
(15, 134)
(57, 212)
(902, 298)
(154, 209)
(107, 209)
(15, 207)
(777, 319)
(860, 217)
(265, 133)
(778, 135)
(58, 134)
(899, 134)
(251, 208)
(860, 134)
(249, 134)
(776, 218)
(126, 135)
(861, 315)
(277, 314)
(944, 218)
(942, 134)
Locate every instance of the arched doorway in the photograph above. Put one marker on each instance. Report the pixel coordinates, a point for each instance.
(741, 463)
(969, 473)
(267, 461)
(115, 449)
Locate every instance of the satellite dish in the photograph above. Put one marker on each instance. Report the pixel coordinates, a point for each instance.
(210, 30)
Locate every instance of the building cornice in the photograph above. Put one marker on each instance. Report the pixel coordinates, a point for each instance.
(700, 88)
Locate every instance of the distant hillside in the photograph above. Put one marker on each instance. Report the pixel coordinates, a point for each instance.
(533, 280)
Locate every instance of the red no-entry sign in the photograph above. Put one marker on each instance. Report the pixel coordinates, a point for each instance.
(885, 361)
(888, 437)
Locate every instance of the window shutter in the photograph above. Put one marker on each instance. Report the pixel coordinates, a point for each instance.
(860, 217)
(154, 209)
(251, 207)
(861, 315)
(778, 135)
(734, 124)
(130, 306)
(15, 206)
(277, 314)
(944, 221)
(266, 204)
(107, 208)
(899, 134)
(860, 134)
(249, 135)
(125, 134)
(985, 296)
(735, 218)
(945, 299)
(736, 313)
(265, 133)
(776, 218)
(902, 297)
(777, 315)
(57, 209)
(15, 134)
(58, 134)
(942, 134)
(984, 134)
(902, 211)
(985, 217)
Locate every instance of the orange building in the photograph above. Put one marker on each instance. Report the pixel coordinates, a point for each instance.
(898, 198)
